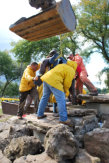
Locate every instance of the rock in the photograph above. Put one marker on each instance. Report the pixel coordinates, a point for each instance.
(81, 112)
(38, 127)
(42, 158)
(106, 124)
(60, 144)
(3, 159)
(3, 143)
(86, 124)
(9, 131)
(84, 157)
(15, 121)
(4, 135)
(22, 146)
(4, 126)
(82, 126)
(104, 117)
(20, 130)
(97, 143)
(97, 99)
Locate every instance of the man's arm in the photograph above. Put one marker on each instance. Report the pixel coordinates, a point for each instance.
(43, 66)
(69, 76)
(47, 62)
(28, 75)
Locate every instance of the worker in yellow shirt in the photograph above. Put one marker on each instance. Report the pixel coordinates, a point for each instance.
(27, 86)
(57, 81)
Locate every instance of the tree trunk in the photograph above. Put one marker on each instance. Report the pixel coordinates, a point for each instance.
(6, 84)
(3, 91)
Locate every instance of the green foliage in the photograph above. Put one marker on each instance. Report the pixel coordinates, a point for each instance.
(26, 51)
(8, 69)
(12, 90)
(1, 87)
(5, 62)
(103, 91)
(106, 71)
(93, 18)
(69, 42)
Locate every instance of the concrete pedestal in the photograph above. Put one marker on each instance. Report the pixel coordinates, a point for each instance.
(102, 108)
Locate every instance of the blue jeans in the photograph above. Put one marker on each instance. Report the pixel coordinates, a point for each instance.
(54, 107)
(60, 99)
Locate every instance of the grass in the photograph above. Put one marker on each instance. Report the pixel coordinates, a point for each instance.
(1, 111)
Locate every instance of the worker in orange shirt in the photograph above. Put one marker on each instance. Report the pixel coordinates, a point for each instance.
(82, 78)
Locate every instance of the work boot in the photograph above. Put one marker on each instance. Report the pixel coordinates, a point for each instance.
(44, 116)
(55, 114)
(67, 122)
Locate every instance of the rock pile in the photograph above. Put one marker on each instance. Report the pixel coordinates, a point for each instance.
(47, 141)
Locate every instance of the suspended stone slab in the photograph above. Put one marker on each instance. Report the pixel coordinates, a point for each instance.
(54, 21)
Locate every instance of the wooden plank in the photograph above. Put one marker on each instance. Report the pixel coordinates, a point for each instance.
(45, 27)
(47, 36)
(43, 31)
(38, 26)
(36, 18)
(50, 33)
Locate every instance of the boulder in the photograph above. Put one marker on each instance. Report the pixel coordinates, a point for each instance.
(8, 131)
(4, 126)
(22, 146)
(3, 143)
(97, 143)
(60, 144)
(36, 127)
(83, 125)
(41, 158)
(84, 157)
(81, 112)
(16, 131)
(3, 159)
(4, 135)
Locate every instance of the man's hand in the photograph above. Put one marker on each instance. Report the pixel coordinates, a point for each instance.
(35, 78)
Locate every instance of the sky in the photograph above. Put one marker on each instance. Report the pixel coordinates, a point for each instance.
(12, 10)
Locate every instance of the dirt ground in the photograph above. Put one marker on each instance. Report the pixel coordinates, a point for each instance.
(4, 117)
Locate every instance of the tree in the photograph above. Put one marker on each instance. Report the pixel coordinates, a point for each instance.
(93, 18)
(106, 72)
(69, 42)
(26, 51)
(9, 69)
(12, 90)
